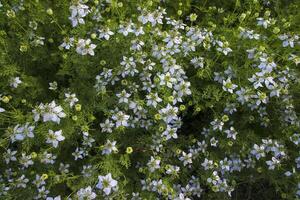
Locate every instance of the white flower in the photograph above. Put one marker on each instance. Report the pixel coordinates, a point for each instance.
(64, 168)
(258, 151)
(49, 112)
(71, 99)
(21, 132)
(295, 138)
(172, 169)
(68, 43)
(186, 158)
(273, 163)
(55, 137)
(167, 79)
(21, 182)
(10, 156)
(2, 110)
(105, 33)
(107, 126)
(86, 194)
(198, 62)
(48, 158)
(228, 86)
(126, 28)
(123, 96)
(25, 160)
(39, 181)
(85, 47)
(208, 164)
(263, 22)
(231, 133)
(15, 82)
(121, 119)
(109, 147)
(54, 198)
(288, 40)
(106, 183)
(79, 153)
(169, 113)
(136, 45)
(78, 12)
(170, 133)
(153, 99)
(153, 164)
(53, 85)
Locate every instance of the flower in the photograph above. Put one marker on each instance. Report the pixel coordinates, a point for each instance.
(53, 85)
(78, 12)
(105, 33)
(228, 86)
(55, 137)
(121, 119)
(106, 183)
(85, 47)
(15, 82)
(21, 132)
(153, 164)
(10, 156)
(71, 99)
(109, 147)
(123, 96)
(49, 112)
(68, 43)
(86, 194)
(107, 126)
(153, 99)
(186, 158)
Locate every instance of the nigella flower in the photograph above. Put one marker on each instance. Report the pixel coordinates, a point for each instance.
(68, 43)
(153, 99)
(15, 82)
(107, 126)
(71, 99)
(123, 96)
(53, 85)
(121, 119)
(10, 156)
(55, 137)
(153, 164)
(107, 183)
(20, 132)
(85, 47)
(105, 33)
(288, 40)
(263, 22)
(186, 158)
(49, 112)
(78, 12)
(25, 160)
(86, 194)
(109, 147)
(54, 198)
(198, 62)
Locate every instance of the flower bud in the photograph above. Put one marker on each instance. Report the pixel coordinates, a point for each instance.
(129, 150)
(49, 11)
(78, 107)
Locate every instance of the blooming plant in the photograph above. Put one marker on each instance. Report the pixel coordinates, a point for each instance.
(152, 99)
